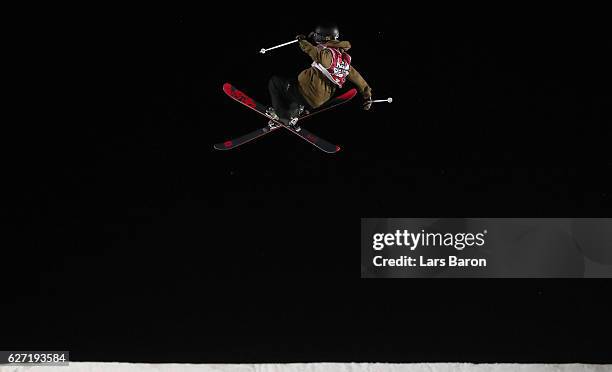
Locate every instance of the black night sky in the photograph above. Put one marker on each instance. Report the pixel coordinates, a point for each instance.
(131, 239)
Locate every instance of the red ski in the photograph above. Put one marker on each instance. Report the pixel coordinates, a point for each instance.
(261, 109)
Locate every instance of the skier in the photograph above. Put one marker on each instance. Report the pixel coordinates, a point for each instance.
(330, 69)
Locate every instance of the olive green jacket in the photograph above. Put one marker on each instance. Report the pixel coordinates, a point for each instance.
(314, 86)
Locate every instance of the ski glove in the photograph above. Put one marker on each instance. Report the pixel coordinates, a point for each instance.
(366, 103)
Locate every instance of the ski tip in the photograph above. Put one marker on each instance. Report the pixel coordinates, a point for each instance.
(348, 95)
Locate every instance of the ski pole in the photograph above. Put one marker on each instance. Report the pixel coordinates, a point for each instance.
(389, 100)
(264, 50)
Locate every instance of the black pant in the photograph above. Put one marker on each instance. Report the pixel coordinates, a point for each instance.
(285, 96)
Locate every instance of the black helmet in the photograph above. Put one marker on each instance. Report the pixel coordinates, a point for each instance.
(326, 32)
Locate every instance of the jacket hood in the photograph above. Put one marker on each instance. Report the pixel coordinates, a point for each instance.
(338, 44)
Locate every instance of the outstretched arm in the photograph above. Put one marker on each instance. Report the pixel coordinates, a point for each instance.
(355, 77)
(322, 56)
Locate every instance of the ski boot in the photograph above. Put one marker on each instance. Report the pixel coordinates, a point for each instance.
(273, 125)
(271, 113)
(295, 116)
